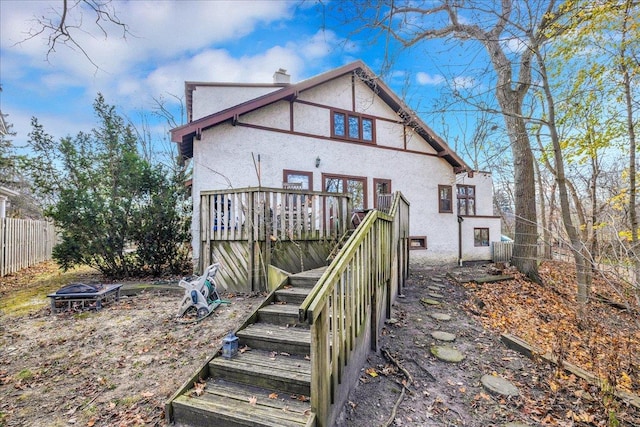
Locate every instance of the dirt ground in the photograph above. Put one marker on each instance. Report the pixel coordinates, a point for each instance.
(451, 394)
(113, 367)
(117, 366)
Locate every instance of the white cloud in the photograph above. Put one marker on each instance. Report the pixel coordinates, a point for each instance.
(159, 30)
(464, 82)
(427, 79)
(319, 45)
(514, 45)
(218, 65)
(171, 41)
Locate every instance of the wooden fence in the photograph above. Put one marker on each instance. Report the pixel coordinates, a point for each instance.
(24, 242)
(347, 306)
(501, 251)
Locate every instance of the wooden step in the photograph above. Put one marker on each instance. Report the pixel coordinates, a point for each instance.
(280, 314)
(292, 295)
(270, 337)
(338, 246)
(228, 404)
(286, 374)
(307, 278)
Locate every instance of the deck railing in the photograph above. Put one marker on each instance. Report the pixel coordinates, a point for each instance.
(248, 229)
(284, 214)
(347, 305)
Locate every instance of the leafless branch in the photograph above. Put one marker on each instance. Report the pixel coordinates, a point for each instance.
(62, 26)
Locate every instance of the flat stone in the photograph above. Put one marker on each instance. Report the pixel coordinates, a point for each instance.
(447, 354)
(429, 301)
(499, 385)
(435, 295)
(434, 288)
(443, 336)
(440, 316)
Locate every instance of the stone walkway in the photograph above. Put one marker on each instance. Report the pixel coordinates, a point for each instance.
(447, 353)
(462, 374)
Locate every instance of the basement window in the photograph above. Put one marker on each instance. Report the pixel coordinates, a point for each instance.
(417, 242)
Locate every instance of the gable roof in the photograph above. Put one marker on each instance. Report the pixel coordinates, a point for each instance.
(184, 135)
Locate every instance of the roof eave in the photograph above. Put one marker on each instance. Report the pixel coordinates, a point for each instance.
(185, 134)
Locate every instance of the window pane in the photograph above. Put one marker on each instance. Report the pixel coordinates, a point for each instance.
(462, 207)
(299, 179)
(338, 124)
(334, 185)
(356, 189)
(481, 236)
(367, 129)
(354, 127)
(382, 188)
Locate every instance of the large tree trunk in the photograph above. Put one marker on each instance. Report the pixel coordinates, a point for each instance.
(525, 248)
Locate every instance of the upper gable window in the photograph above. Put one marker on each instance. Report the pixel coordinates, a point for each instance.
(466, 200)
(352, 126)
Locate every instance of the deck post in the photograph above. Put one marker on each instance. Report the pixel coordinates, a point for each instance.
(320, 367)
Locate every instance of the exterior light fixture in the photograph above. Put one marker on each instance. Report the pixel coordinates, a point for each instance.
(318, 161)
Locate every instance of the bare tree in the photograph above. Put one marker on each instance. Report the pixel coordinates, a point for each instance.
(63, 25)
(504, 29)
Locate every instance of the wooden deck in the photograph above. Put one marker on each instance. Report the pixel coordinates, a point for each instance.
(305, 345)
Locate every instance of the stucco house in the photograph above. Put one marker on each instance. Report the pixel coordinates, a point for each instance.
(341, 131)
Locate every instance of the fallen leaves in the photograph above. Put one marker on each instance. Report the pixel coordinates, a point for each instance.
(603, 340)
(300, 397)
(371, 372)
(198, 388)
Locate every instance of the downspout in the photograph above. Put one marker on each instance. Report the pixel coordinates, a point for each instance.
(460, 219)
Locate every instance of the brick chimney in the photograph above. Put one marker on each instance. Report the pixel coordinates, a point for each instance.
(281, 77)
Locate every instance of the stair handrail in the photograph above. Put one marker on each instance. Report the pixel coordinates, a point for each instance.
(356, 281)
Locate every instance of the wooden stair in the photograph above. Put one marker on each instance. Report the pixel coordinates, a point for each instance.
(270, 383)
(340, 244)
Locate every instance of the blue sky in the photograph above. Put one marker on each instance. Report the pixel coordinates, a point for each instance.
(176, 41)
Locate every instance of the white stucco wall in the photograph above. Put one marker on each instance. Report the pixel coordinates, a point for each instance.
(483, 183)
(470, 252)
(211, 99)
(335, 93)
(223, 159)
(484, 218)
(276, 116)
